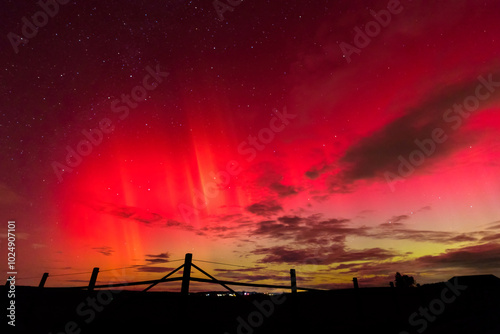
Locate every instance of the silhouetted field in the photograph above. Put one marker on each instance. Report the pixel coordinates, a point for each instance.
(364, 310)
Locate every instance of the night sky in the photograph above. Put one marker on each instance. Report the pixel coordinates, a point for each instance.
(315, 135)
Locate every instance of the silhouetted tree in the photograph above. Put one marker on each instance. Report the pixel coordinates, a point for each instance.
(404, 281)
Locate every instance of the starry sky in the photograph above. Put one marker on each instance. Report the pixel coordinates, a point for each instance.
(340, 138)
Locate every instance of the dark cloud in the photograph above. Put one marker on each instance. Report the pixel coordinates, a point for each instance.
(378, 153)
(222, 231)
(378, 270)
(284, 255)
(479, 257)
(391, 225)
(312, 173)
(315, 171)
(494, 226)
(128, 212)
(339, 185)
(282, 190)
(395, 221)
(375, 266)
(136, 214)
(399, 218)
(265, 208)
(317, 241)
(469, 260)
(290, 220)
(310, 229)
(171, 222)
(106, 251)
(226, 226)
(274, 229)
(320, 198)
(158, 258)
(491, 237)
(314, 230)
(422, 235)
(298, 231)
(462, 238)
(284, 228)
(322, 256)
(269, 176)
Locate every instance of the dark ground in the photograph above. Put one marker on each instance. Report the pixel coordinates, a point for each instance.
(365, 310)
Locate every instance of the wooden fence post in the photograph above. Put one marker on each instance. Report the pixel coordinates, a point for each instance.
(93, 278)
(42, 281)
(186, 275)
(355, 281)
(294, 281)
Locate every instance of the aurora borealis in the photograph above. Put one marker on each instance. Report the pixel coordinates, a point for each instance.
(135, 132)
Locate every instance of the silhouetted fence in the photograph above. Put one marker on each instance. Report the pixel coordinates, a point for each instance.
(186, 279)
